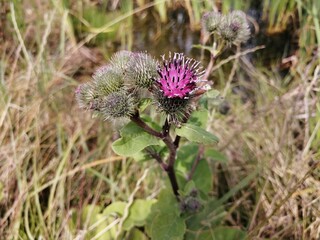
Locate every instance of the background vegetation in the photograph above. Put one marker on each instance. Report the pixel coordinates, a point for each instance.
(56, 162)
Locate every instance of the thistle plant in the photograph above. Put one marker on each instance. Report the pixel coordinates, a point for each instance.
(176, 90)
(173, 87)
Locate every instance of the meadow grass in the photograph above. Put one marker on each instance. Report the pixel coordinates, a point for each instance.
(55, 160)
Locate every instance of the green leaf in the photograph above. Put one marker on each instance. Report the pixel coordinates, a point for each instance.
(228, 233)
(219, 233)
(136, 234)
(215, 155)
(167, 226)
(202, 176)
(199, 118)
(138, 213)
(133, 140)
(200, 225)
(196, 134)
(144, 103)
(213, 93)
(164, 221)
(92, 218)
(115, 207)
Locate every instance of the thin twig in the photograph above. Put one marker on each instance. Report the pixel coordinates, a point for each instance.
(240, 54)
(209, 67)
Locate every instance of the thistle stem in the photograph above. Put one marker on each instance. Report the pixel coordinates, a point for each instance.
(137, 120)
(171, 145)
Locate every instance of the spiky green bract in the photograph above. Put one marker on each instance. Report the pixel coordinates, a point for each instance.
(210, 21)
(121, 59)
(118, 105)
(177, 109)
(107, 80)
(141, 71)
(234, 28)
(85, 96)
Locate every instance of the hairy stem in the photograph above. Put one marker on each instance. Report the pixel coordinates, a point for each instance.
(171, 145)
(137, 120)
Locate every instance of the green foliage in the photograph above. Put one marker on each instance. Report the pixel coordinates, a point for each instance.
(139, 212)
(133, 140)
(202, 177)
(199, 118)
(215, 155)
(91, 19)
(164, 221)
(196, 134)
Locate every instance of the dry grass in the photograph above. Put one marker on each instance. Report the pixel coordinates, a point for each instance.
(54, 159)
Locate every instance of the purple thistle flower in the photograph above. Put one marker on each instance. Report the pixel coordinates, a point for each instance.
(179, 76)
(177, 85)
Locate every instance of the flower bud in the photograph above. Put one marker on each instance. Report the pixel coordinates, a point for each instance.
(190, 204)
(141, 70)
(234, 28)
(210, 21)
(121, 59)
(118, 105)
(85, 96)
(107, 80)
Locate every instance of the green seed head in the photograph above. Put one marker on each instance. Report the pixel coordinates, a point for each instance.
(85, 96)
(118, 105)
(234, 28)
(210, 21)
(107, 80)
(141, 71)
(120, 60)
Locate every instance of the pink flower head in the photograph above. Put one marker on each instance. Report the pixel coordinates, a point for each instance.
(179, 76)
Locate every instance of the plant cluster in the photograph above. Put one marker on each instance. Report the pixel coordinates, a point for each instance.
(118, 88)
(226, 30)
(176, 137)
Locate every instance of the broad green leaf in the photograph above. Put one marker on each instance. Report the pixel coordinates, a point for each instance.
(228, 233)
(185, 157)
(138, 213)
(199, 118)
(215, 155)
(133, 140)
(218, 233)
(196, 134)
(202, 177)
(209, 218)
(92, 218)
(136, 234)
(141, 156)
(164, 221)
(167, 226)
(115, 208)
